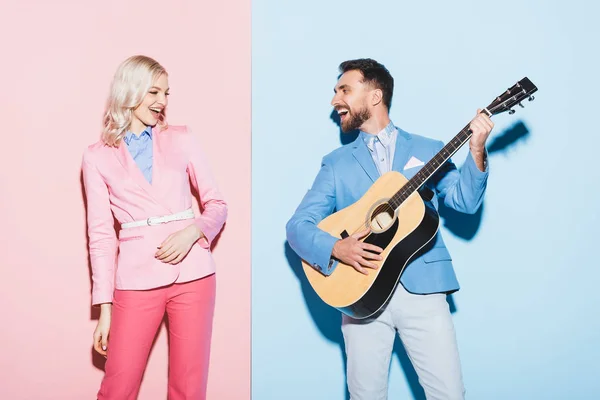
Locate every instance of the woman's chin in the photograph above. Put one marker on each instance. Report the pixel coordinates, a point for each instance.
(150, 121)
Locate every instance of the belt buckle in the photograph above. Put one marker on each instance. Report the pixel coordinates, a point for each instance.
(149, 221)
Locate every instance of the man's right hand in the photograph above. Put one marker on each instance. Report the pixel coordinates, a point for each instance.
(353, 252)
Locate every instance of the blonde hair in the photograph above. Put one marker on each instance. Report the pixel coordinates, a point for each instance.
(132, 81)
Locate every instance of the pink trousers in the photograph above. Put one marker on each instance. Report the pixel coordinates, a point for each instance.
(136, 316)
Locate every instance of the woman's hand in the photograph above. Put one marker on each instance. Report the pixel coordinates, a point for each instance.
(103, 329)
(177, 245)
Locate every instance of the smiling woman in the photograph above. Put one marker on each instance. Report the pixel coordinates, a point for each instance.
(140, 172)
(143, 152)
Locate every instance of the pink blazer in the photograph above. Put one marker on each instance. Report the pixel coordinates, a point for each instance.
(114, 185)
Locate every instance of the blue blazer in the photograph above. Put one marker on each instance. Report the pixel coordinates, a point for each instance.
(345, 176)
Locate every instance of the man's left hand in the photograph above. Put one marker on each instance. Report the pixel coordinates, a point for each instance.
(481, 126)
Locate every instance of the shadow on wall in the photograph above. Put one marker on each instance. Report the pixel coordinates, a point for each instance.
(465, 226)
(328, 320)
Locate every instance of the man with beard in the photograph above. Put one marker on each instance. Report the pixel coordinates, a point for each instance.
(417, 310)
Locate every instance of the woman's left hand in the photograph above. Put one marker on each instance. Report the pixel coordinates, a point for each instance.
(176, 246)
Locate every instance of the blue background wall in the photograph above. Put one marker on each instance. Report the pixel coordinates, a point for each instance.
(527, 315)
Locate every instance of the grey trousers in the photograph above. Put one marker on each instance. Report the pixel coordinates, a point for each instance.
(425, 327)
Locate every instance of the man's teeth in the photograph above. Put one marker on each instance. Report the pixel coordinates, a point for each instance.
(342, 112)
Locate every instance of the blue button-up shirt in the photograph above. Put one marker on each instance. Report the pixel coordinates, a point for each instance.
(140, 148)
(382, 147)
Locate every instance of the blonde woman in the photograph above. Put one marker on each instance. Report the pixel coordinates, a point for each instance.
(160, 260)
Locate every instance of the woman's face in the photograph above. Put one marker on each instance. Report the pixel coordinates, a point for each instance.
(154, 103)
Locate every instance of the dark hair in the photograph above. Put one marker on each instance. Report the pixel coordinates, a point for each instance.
(373, 73)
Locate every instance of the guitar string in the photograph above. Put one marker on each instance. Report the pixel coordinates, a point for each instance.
(398, 196)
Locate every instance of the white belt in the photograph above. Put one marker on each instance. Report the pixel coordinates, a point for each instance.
(187, 214)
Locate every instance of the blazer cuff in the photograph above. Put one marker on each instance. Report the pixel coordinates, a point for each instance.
(331, 267)
(206, 240)
(101, 298)
(478, 177)
(324, 263)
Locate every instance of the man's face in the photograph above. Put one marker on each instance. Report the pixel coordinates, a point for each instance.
(350, 100)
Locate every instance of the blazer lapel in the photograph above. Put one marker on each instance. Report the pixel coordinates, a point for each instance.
(128, 163)
(402, 151)
(159, 151)
(363, 156)
(157, 163)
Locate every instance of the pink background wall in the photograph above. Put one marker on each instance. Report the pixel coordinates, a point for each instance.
(57, 62)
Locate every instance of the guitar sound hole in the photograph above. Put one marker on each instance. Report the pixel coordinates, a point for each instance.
(382, 218)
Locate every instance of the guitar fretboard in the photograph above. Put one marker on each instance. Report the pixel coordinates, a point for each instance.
(431, 167)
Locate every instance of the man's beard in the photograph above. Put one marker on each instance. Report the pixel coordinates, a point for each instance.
(355, 120)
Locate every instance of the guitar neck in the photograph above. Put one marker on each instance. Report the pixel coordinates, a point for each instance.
(510, 98)
(431, 167)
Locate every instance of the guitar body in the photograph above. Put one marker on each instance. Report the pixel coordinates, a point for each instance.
(400, 233)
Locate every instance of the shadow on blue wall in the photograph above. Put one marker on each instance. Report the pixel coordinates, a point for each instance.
(465, 226)
(328, 320)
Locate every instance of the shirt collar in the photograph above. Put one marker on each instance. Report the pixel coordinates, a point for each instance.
(384, 136)
(129, 136)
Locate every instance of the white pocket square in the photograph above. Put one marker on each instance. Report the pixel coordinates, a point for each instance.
(413, 162)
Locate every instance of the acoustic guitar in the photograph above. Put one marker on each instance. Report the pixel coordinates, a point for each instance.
(402, 222)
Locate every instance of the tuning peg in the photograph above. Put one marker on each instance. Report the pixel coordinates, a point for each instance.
(522, 106)
(531, 98)
(511, 111)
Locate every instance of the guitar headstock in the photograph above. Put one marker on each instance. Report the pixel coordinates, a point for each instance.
(513, 96)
